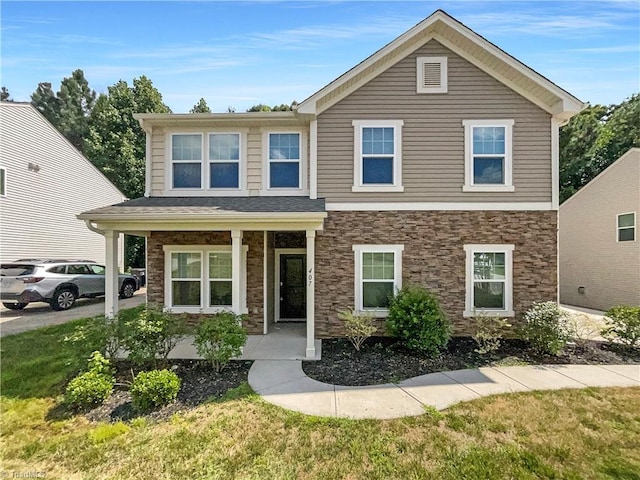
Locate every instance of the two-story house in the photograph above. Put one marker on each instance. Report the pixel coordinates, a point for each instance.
(433, 162)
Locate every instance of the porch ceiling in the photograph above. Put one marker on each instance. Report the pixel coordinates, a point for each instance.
(143, 215)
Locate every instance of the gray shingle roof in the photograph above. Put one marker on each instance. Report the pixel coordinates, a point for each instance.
(204, 205)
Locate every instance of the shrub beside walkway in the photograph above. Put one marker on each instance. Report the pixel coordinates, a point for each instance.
(283, 383)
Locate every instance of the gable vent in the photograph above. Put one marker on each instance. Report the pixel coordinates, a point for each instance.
(431, 74)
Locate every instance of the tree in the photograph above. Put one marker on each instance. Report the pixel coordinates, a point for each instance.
(276, 108)
(260, 108)
(200, 107)
(75, 101)
(116, 142)
(45, 101)
(5, 96)
(594, 139)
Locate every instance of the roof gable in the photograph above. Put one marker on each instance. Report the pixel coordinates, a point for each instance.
(462, 41)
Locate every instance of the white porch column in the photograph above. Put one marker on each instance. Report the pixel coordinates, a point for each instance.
(111, 238)
(311, 283)
(236, 261)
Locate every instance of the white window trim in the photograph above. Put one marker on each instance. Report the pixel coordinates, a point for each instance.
(469, 186)
(420, 88)
(618, 228)
(4, 170)
(266, 165)
(358, 185)
(397, 273)
(204, 251)
(470, 250)
(205, 165)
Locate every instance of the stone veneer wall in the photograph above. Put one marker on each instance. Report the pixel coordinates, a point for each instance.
(434, 256)
(255, 276)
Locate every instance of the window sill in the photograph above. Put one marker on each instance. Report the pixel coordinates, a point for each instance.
(284, 192)
(377, 188)
(376, 313)
(490, 313)
(197, 310)
(209, 192)
(488, 188)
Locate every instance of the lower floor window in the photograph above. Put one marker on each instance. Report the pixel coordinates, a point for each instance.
(200, 279)
(378, 271)
(489, 279)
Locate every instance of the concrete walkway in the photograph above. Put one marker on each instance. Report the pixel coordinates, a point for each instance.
(283, 383)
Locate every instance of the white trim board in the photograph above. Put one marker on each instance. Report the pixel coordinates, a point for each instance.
(427, 206)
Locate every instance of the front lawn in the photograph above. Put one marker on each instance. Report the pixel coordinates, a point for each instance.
(591, 434)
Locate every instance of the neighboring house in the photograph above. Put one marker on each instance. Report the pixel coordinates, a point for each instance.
(44, 183)
(599, 246)
(433, 162)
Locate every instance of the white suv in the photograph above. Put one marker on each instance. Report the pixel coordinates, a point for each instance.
(57, 282)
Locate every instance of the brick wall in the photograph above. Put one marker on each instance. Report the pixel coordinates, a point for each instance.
(155, 268)
(434, 257)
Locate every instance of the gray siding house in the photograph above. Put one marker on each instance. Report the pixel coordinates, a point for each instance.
(432, 162)
(599, 246)
(44, 183)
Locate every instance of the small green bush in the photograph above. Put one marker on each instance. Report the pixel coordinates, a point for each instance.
(488, 332)
(623, 324)
(546, 327)
(358, 325)
(219, 338)
(154, 389)
(416, 318)
(151, 335)
(93, 387)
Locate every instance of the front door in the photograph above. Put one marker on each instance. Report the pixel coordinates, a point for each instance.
(293, 289)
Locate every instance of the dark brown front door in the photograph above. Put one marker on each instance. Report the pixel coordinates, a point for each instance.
(293, 290)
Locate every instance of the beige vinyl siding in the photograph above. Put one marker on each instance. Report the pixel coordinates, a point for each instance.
(38, 212)
(158, 153)
(590, 255)
(254, 162)
(433, 134)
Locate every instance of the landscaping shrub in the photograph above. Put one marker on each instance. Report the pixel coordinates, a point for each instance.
(93, 387)
(546, 327)
(154, 389)
(488, 332)
(152, 334)
(358, 325)
(219, 338)
(623, 324)
(416, 317)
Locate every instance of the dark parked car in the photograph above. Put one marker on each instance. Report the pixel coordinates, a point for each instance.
(57, 282)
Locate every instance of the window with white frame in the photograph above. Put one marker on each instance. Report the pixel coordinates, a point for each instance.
(627, 227)
(377, 155)
(3, 182)
(186, 160)
(378, 275)
(199, 279)
(489, 279)
(224, 160)
(488, 155)
(285, 170)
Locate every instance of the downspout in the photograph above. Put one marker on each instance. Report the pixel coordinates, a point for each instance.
(92, 228)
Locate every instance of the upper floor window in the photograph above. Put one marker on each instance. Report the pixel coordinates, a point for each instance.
(3, 180)
(224, 160)
(377, 155)
(488, 157)
(627, 227)
(284, 160)
(186, 160)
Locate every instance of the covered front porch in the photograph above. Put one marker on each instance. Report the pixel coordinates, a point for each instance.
(253, 256)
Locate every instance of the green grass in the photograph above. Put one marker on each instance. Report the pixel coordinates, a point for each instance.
(570, 434)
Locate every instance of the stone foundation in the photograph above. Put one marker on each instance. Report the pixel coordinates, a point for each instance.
(434, 257)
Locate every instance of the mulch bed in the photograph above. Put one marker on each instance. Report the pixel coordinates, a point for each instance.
(200, 384)
(384, 360)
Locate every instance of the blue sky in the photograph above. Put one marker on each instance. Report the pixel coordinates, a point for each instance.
(239, 54)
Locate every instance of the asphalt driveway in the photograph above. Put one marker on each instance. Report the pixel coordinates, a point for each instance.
(38, 315)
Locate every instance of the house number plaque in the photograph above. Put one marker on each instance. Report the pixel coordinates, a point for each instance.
(310, 276)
